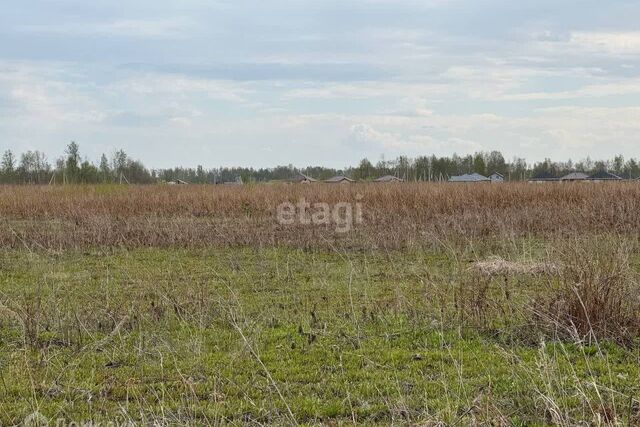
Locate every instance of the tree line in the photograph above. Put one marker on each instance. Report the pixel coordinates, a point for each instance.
(32, 167)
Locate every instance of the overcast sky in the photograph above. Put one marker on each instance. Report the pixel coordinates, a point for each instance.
(267, 82)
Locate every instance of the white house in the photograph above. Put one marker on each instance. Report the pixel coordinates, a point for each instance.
(496, 178)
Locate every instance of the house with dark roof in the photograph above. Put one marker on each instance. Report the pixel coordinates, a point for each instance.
(575, 176)
(339, 179)
(303, 179)
(604, 176)
(389, 178)
(473, 177)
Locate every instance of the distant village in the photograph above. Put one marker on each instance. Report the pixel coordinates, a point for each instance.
(496, 178)
(33, 167)
(543, 177)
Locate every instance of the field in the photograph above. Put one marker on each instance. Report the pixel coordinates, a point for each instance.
(450, 305)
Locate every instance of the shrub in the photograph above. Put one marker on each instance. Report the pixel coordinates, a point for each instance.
(596, 296)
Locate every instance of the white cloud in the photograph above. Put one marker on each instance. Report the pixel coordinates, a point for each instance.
(365, 136)
(607, 42)
(182, 87)
(134, 28)
(39, 98)
(576, 46)
(620, 87)
(365, 90)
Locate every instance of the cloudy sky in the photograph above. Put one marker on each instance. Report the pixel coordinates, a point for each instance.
(267, 82)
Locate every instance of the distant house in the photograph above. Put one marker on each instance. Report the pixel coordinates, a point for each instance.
(496, 178)
(473, 177)
(389, 178)
(604, 176)
(543, 177)
(238, 181)
(339, 179)
(178, 182)
(303, 179)
(575, 176)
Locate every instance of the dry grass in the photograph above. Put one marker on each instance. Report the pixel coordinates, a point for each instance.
(395, 216)
(497, 266)
(512, 319)
(596, 296)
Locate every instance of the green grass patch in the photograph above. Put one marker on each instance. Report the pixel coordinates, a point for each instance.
(283, 336)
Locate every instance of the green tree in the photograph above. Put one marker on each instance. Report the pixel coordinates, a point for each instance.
(618, 165)
(600, 166)
(201, 176)
(496, 163)
(72, 166)
(88, 173)
(479, 165)
(364, 170)
(632, 169)
(119, 163)
(519, 169)
(8, 166)
(105, 170)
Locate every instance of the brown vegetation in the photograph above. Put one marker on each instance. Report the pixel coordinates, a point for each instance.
(597, 292)
(395, 216)
(513, 304)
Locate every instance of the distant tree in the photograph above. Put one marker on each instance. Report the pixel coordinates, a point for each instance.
(544, 168)
(33, 168)
(600, 166)
(587, 165)
(105, 170)
(422, 168)
(618, 165)
(88, 173)
(27, 167)
(119, 161)
(8, 166)
(8, 161)
(631, 169)
(518, 169)
(72, 168)
(364, 171)
(496, 163)
(479, 165)
(201, 176)
(403, 167)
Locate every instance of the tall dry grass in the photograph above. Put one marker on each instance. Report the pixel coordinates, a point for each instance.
(596, 295)
(395, 216)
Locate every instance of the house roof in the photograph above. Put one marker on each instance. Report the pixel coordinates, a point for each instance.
(604, 175)
(473, 177)
(575, 176)
(497, 174)
(302, 177)
(339, 178)
(389, 178)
